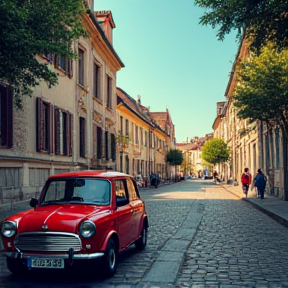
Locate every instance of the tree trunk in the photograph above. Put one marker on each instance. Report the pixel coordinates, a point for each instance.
(285, 162)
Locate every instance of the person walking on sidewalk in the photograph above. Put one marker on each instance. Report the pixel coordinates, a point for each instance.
(260, 183)
(246, 181)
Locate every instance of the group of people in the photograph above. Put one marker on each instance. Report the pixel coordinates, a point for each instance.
(259, 181)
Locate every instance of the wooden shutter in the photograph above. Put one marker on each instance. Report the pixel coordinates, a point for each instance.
(82, 136)
(99, 142)
(57, 130)
(50, 128)
(113, 147)
(6, 116)
(70, 133)
(94, 140)
(40, 127)
(69, 67)
(106, 145)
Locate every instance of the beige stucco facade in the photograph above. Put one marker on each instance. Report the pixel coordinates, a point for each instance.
(70, 126)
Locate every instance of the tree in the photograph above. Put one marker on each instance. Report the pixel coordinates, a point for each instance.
(262, 92)
(174, 157)
(263, 21)
(32, 27)
(215, 151)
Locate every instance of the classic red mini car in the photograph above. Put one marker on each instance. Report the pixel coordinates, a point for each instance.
(79, 216)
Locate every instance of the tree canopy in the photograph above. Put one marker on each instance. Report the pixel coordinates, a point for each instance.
(262, 90)
(263, 21)
(32, 27)
(215, 151)
(174, 157)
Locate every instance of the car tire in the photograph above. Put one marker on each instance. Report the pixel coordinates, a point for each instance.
(141, 242)
(110, 259)
(15, 266)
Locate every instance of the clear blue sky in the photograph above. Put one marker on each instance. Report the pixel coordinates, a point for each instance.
(171, 60)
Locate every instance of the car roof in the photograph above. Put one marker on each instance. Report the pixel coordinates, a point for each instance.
(106, 174)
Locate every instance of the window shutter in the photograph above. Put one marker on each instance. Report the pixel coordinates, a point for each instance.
(94, 140)
(6, 116)
(106, 145)
(70, 134)
(9, 97)
(50, 133)
(40, 125)
(70, 68)
(57, 130)
(113, 147)
(99, 142)
(82, 136)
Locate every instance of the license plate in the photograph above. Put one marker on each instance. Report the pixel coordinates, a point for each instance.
(47, 263)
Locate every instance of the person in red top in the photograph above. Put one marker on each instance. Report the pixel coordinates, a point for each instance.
(246, 181)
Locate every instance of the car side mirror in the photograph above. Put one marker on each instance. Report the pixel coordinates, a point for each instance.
(33, 202)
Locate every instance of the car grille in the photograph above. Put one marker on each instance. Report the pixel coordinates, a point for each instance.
(47, 242)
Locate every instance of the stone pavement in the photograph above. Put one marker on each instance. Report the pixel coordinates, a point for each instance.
(271, 205)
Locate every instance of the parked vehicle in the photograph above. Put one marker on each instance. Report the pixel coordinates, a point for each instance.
(85, 215)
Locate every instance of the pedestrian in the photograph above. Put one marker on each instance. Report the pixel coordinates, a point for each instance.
(260, 183)
(246, 181)
(253, 186)
(215, 176)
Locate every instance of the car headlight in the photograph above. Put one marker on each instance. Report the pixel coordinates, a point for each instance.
(87, 229)
(8, 228)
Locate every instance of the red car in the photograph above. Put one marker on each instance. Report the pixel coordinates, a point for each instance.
(79, 216)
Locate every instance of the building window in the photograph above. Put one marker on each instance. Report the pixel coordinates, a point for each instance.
(109, 92)
(81, 67)
(137, 134)
(82, 136)
(65, 64)
(96, 92)
(6, 116)
(63, 132)
(121, 125)
(127, 127)
(44, 138)
(141, 136)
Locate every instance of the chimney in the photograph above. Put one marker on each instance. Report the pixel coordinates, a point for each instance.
(139, 99)
(106, 22)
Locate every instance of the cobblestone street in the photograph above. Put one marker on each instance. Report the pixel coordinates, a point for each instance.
(200, 235)
(235, 245)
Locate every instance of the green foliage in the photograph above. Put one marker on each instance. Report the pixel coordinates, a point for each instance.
(215, 151)
(174, 157)
(32, 27)
(263, 21)
(262, 91)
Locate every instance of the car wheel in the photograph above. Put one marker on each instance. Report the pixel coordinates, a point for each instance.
(15, 266)
(140, 243)
(110, 259)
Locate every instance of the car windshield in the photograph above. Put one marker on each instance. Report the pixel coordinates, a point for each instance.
(94, 191)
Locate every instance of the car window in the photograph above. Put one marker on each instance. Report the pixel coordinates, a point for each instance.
(55, 191)
(120, 191)
(96, 191)
(131, 190)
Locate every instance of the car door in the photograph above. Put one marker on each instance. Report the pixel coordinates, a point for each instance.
(123, 213)
(137, 209)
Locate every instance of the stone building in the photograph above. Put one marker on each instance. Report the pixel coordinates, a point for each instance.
(252, 145)
(71, 126)
(142, 142)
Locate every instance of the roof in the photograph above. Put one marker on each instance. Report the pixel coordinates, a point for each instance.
(90, 173)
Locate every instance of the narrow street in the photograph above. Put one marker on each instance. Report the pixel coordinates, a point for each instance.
(200, 235)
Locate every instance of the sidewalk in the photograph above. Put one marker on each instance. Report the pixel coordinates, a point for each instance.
(271, 205)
